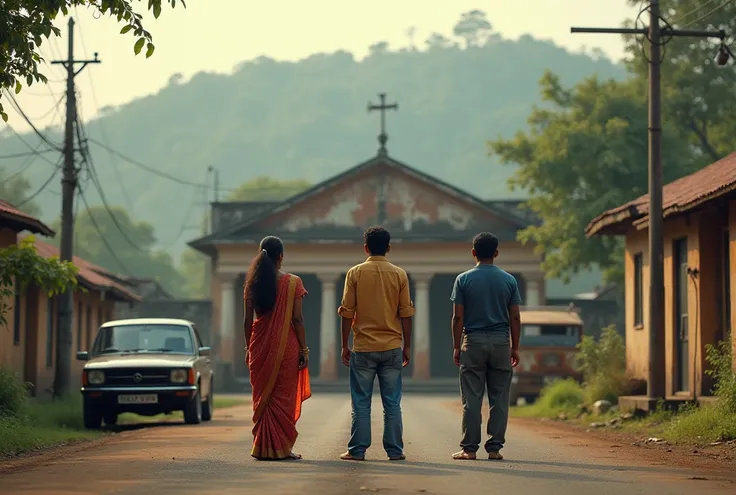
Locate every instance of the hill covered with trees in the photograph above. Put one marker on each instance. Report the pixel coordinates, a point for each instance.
(307, 120)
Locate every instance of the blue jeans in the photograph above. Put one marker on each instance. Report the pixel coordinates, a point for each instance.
(364, 367)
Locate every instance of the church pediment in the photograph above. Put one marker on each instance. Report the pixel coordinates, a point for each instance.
(388, 196)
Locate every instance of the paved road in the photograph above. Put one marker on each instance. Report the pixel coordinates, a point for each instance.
(214, 459)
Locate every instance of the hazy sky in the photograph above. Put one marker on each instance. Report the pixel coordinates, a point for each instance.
(215, 35)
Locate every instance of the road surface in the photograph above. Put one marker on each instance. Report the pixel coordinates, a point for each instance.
(214, 459)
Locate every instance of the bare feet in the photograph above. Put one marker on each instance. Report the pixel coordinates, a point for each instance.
(495, 456)
(294, 456)
(401, 457)
(347, 456)
(464, 456)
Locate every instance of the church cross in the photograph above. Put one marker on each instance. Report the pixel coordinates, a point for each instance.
(382, 107)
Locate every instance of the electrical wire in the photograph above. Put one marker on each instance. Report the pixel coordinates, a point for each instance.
(43, 186)
(20, 138)
(708, 14)
(102, 235)
(187, 215)
(86, 157)
(113, 158)
(24, 154)
(692, 11)
(18, 109)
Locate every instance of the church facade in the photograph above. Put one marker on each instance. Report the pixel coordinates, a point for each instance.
(431, 225)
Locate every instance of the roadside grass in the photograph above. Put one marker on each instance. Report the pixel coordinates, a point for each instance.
(39, 425)
(220, 403)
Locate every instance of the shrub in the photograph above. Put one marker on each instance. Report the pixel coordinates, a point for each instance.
(720, 358)
(561, 394)
(13, 394)
(603, 365)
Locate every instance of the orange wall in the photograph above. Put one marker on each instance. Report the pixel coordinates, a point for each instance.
(28, 357)
(704, 235)
(732, 249)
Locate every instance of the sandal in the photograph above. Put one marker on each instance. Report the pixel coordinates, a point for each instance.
(347, 456)
(464, 456)
(401, 457)
(294, 456)
(495, 456)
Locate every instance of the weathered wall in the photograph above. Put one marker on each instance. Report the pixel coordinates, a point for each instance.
(703, 232)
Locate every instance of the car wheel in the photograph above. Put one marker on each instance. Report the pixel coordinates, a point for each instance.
(209, 405)
(193, 410)
(111, 418)
(92, 415)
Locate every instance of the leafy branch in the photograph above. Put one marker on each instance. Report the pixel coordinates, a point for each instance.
(25, 24)
(21, 266)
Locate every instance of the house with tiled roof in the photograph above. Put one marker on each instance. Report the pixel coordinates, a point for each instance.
(699, 213)
(28, 343)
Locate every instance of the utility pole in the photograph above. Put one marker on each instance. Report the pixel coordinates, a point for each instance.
(65, 301)
(655, 34)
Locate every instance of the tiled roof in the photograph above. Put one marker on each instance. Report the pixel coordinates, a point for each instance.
(91, 275)
(19, 221)
(684, 194)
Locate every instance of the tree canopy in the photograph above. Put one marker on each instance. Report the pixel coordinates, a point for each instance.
(25, 24)
(16, 190)
(98, 233)
(585, 152)
(21, 265)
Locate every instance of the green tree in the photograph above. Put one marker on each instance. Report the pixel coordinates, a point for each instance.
(697, 94)
(21, 265)
(473, 27)
(585, 152)
(24, 24)
(267, 188)
(15, 189)
(194, 265)
(96, 233)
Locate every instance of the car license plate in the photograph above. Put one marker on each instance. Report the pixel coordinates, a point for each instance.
(138, 399)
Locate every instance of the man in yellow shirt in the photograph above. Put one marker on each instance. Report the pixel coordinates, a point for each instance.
(377, 306)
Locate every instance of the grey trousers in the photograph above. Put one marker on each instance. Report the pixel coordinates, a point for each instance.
(485, 365)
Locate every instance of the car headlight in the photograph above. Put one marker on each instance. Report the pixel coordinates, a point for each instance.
(179, 376)
(95, 377)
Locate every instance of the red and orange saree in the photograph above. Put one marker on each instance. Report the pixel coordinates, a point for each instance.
(279, 386)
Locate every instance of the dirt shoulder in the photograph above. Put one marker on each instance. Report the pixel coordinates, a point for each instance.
(123, 433)
(718, 459)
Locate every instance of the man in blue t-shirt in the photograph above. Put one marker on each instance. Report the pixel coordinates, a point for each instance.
(485, 311)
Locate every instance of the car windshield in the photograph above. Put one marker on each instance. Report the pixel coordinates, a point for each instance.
(550, 335)
(158, 338)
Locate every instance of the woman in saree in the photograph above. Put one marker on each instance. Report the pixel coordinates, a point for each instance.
(276, 352)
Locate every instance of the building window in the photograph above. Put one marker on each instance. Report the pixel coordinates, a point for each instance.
(638, 289)
(16, 318)
(89, 327)
(80, 327)
(50, 333)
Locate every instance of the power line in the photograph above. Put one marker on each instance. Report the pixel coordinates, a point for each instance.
(693, 11)
(25, 154)
(146, 167)
(113, 158)
(18, 109)
(98, 185)
(44, 186)
(187, 216)
(20, 138)
(101, 234)
(707, 14)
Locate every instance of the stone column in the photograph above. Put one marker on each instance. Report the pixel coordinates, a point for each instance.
(329, 331)
(534, 291)
(226, 348)
(421, 338)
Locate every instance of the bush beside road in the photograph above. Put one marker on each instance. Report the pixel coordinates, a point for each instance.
(28, 425)
(592, 403)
